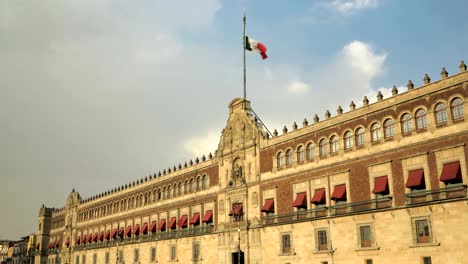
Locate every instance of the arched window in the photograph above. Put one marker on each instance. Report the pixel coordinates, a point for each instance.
(289, 157)
(164, 193)
(169, 192)
(360, 139)
(389, 128)
(186, 186)
(198, 183)
(310, 151)
(440, 111)
(406, 124)
(204, 182)
(458, 110)
(375, 132)
(179, 188)
(159, 194)
(348, 140)
(300, 153)
(421, 119)
(155, 196)
(193, 185)
(334, 145)
(280, 159)
(323, 148)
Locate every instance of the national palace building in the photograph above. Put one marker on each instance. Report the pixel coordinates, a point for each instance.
(384, 182)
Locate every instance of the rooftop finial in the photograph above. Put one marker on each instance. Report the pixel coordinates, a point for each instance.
(327, 114)
(427, 79)
(339, 110)
(410, 85)
(444, 73)
(305, 122)
(294, 126)
(462, 66)
(285, 130)
(352, 105)
(394, 90)
(316, 118)
(275, 132)
(379, 96)
(365, 101)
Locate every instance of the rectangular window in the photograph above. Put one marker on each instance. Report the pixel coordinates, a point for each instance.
(121, 257)
(427, 260)
(83, 259)
(136, 255)
(77, 260)
(94, 258)
(421, 230)
(365, 236)
(173, 252)
(107, 258)
(321, 238)
(285, 243)
(369, 261)
(196, 251)
(153, 255)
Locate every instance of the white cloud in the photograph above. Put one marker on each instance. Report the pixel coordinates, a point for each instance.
(348, 6)
(362, 57)
(297, 87)
(202, 144)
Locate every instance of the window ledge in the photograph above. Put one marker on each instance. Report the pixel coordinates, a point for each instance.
(367, 248)
(430, 244)
(286, 254)
(322, 251)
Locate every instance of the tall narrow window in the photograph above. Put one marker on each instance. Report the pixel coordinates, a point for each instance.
(375, 132)
(310, 151)
(348, 140)
(153, 255)
(120, 258)
(406, 124)
(334, 145)
(323, 144)
(193, 185)
(107, 258)
(286, 244)
(94, 258)
(440, 111)
(389, 128)
(427, 260)
(173, 252)
(289, 157)
(198, 183)
(365, 236)
(196, 251)
(458, 110)
(77, 260)
(360, 139)
(280, 159)
(300, 154)
(204, 181)
(421, 119)
(83, 259)
(321, 239)
(136, 255)
(422, 231)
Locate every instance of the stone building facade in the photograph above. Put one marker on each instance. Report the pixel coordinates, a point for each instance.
(385, 182)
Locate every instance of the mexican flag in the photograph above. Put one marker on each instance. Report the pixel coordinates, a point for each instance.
(255, 46)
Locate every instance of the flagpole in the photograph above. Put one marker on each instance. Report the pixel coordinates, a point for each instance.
(245, 89)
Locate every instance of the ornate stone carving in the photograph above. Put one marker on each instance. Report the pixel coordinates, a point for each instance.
(254, 199)
(221, 207)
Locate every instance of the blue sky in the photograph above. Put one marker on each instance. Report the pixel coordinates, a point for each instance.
(96, 94)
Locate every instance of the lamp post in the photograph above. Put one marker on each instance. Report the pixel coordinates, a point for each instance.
(117, 252)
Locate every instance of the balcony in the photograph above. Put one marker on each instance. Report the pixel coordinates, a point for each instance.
(164, 235)
(298, 216)
(452, 192)
(362, 206)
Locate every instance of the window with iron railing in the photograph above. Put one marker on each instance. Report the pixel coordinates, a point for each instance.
(286, 244)
(321, 239)
(365, 236)
(421, 230)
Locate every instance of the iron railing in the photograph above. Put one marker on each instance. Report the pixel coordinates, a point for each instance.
(451, 192)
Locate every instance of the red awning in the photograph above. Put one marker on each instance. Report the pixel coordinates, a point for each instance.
(136, 228)
(100, 236)
(95, 237)
(144, 229)
(172, 223)
(50, 245)
(152, 227)
(90, 238)
(67, 242)
(380, 185)
(269, 206)
(113, 234)
(415, 179)
(301, 200)
(195, 220)
(107, 235)
(182, 221)
(162, 225)
(339, 193)
(83, 239)
(57, 244)
(451, 172)
(208, 217)
(122, 231)
(77, 241)
(319, 196)
(127, 231)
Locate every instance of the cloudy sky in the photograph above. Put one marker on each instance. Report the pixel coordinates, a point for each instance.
(97, 93)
